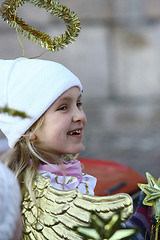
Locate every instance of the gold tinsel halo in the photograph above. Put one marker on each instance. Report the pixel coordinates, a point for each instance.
(8, 11)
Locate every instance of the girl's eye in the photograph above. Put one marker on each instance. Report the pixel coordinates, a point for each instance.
(79, 104)
(62, 108)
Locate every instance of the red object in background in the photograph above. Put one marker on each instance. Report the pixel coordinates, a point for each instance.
(112, 177)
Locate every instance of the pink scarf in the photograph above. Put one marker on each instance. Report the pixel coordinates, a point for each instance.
(72, 168)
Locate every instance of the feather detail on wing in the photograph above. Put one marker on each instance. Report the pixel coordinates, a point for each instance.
(59, 211)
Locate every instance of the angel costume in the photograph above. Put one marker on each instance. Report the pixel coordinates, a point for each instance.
(59, 211)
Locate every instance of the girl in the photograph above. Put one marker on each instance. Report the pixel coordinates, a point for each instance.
(44, 123)
(52, 131)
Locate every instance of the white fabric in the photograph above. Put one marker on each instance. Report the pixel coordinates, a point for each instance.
(86, 185)
(10, 199)
(31, 86)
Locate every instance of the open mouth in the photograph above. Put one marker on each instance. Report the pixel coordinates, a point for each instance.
(75, 132)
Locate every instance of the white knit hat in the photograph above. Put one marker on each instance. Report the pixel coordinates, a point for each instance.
(31, 86)
(10, 200)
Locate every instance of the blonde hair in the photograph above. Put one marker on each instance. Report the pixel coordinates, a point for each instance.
(24, 151)
(25, 157)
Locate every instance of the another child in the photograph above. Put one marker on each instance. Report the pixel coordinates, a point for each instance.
(10, 201)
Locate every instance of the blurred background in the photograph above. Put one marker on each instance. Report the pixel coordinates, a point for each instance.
(116, 57)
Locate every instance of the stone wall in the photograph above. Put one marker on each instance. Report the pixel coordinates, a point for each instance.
(116, 57)
(117, 49)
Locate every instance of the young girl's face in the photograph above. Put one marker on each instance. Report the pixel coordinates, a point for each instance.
(63, 126)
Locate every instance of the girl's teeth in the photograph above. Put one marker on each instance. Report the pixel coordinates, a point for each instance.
(74, 132)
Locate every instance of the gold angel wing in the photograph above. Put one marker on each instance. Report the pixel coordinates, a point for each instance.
(59, 211)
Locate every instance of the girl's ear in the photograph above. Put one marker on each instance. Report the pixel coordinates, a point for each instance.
(32, 136)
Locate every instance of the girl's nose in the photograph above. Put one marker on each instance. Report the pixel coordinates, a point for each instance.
(79, 115)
